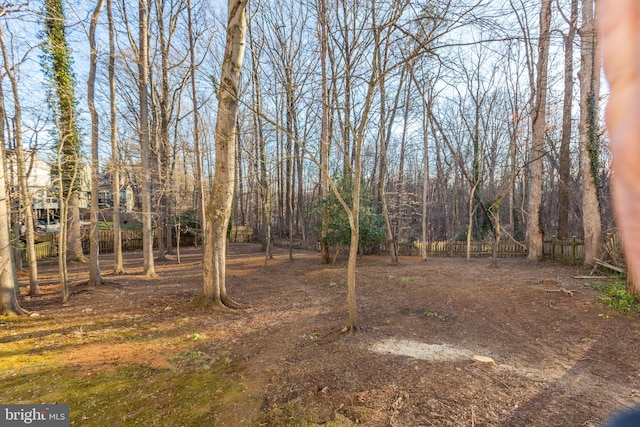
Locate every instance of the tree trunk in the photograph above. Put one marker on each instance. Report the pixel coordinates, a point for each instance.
(118, 267)
(589, 76)
(65, 114)
(470, 223)
(74, 232)
(9, 305)
(63, 232)
(196, 118)
(426, 106)
(325, 137)
(218, 208)
(265, 190)
(534, 232)
(564, 196)
(143, 70)
(25, 198)
(400, 184)
(94, 267)
(9, 286)
(385, 138)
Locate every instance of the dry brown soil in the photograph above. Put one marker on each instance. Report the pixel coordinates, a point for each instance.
(560, 360)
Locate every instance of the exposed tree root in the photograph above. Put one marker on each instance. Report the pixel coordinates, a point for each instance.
(14, 311)
(351, 329)
(224, 304)
(228, 302)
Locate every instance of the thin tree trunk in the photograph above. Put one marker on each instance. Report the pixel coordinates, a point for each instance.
(95, 278)
(325, 257)
(63, 234)
(495, 216)
(385, 135)
(9, 287)
(143, 70)
(265, 190)
(426, 106)
(564, 196)
(470, 227)
(9, 305)
(400, 185)
(196, 118)
(118, 267)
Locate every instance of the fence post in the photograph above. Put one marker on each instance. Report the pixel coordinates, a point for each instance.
(574, 245)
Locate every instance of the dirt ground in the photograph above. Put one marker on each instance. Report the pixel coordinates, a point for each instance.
(560, 359)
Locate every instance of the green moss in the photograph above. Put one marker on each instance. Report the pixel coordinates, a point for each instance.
(129, 395)
(35, 368)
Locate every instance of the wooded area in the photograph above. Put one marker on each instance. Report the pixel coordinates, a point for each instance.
(234, 190)
(351, 124)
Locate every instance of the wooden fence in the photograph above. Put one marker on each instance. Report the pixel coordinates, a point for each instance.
(567, 251)
(131, 241)
(450, 248)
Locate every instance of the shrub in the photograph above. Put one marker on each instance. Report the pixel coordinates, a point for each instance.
(616, 295)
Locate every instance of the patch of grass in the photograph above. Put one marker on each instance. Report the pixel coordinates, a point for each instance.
(108, 225)
(430, 313)
(616, 296)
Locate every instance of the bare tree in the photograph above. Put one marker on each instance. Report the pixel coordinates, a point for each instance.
(218, 206)
(265, 190)
(199, 173)
(564, 196)
(118, 267)
(589, 76)
(94, 266)
(325, 133)
(9, 305)
(143, 81)
(8, 279)
(534, 233)
(25, 198)
(57, 63)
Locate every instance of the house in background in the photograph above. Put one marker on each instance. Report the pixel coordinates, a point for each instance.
(105, 194)
(43, 188)
(44, 201)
